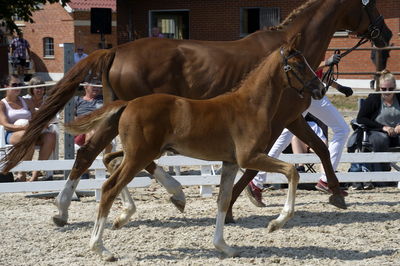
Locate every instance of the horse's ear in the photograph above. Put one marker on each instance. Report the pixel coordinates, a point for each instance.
(294, 42)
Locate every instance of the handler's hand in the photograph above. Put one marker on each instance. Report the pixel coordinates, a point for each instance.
(334, 59)
(389, 130)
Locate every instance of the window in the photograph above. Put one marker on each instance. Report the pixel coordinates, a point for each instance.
(48, 47)
(172, 24)
(255, 18)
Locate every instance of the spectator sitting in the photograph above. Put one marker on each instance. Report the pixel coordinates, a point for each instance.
(15, 113)
(91, 101)
(381, 114)
(37, 96)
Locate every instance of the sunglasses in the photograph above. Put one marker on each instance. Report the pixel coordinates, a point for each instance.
(387, 89)
(17, 84)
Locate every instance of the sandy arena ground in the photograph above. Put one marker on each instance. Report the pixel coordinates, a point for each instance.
(368, 233)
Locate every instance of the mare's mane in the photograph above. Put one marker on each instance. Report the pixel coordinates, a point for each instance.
(293, 15)
(250, 78)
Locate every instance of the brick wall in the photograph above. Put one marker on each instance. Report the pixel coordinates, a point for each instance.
(90, 41)
(54, 21)
(220, 20)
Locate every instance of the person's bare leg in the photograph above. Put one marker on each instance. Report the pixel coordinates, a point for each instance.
(47, 144)
(15, 138)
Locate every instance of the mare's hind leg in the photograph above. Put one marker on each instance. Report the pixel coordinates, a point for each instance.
(229, 171)
(113, 160)
(84, 158)
(263, 162)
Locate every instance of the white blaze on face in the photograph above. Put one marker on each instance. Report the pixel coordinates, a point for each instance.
(365, 2)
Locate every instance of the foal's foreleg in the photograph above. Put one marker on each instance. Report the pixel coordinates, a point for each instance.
(84, 158)
(224, 197)
(303, 131)
(265, 163)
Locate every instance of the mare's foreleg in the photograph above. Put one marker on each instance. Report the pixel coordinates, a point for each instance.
(265, 163)
(229, 171)
(303, 131)
(84, 158)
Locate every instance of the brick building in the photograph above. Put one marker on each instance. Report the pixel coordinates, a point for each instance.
(223, 20)
(55, 25)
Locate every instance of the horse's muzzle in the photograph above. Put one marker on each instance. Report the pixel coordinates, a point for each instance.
(381, 35)
(318, 91)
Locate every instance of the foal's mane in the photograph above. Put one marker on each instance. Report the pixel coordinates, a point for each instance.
(294, 14)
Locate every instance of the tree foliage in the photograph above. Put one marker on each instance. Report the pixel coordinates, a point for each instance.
(22, 9)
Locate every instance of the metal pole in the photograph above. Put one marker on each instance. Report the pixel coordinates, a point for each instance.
(69, 151)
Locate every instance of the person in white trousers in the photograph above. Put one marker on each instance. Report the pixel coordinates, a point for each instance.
(325, 111)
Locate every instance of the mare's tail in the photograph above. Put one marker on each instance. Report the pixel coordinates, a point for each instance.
(97, 62)
(92, 120)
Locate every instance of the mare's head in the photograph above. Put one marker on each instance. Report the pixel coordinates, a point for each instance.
(299, 75)
(364, 19)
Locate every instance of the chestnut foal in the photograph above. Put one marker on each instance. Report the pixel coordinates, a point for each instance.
(234, 128)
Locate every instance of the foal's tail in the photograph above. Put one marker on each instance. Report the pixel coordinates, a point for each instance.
(97, 62)
(92, 120)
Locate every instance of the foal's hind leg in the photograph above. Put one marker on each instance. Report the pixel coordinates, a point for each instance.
(229, 171)
(128, 211)
(113, 160)
(84, 158)
(111, 188)
(265, 163)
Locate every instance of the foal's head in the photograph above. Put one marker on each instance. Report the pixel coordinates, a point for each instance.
(299, 75)
(363, 18)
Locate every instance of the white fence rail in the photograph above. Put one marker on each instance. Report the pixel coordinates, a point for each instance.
(207, 178)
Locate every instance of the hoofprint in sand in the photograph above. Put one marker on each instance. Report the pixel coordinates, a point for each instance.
(367, 233)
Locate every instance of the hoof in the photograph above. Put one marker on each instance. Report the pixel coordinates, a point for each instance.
(231, 253)
(338, 201)
(116, 225)
(179, 204)
(273, 226)
(57, 220)
(229, 219)
(109, 258)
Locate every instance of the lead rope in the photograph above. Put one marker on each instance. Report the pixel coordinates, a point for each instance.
(329, 76)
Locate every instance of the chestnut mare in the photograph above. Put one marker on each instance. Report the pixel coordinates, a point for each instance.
(197, 69)
(234, 128)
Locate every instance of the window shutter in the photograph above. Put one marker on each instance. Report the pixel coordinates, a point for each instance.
(269, 16)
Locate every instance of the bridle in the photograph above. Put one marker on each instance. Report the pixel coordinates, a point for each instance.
(287, 68)
(376, 25)
(374, 32)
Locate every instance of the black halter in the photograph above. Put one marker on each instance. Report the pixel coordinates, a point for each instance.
(375, 28)
(288, 68)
